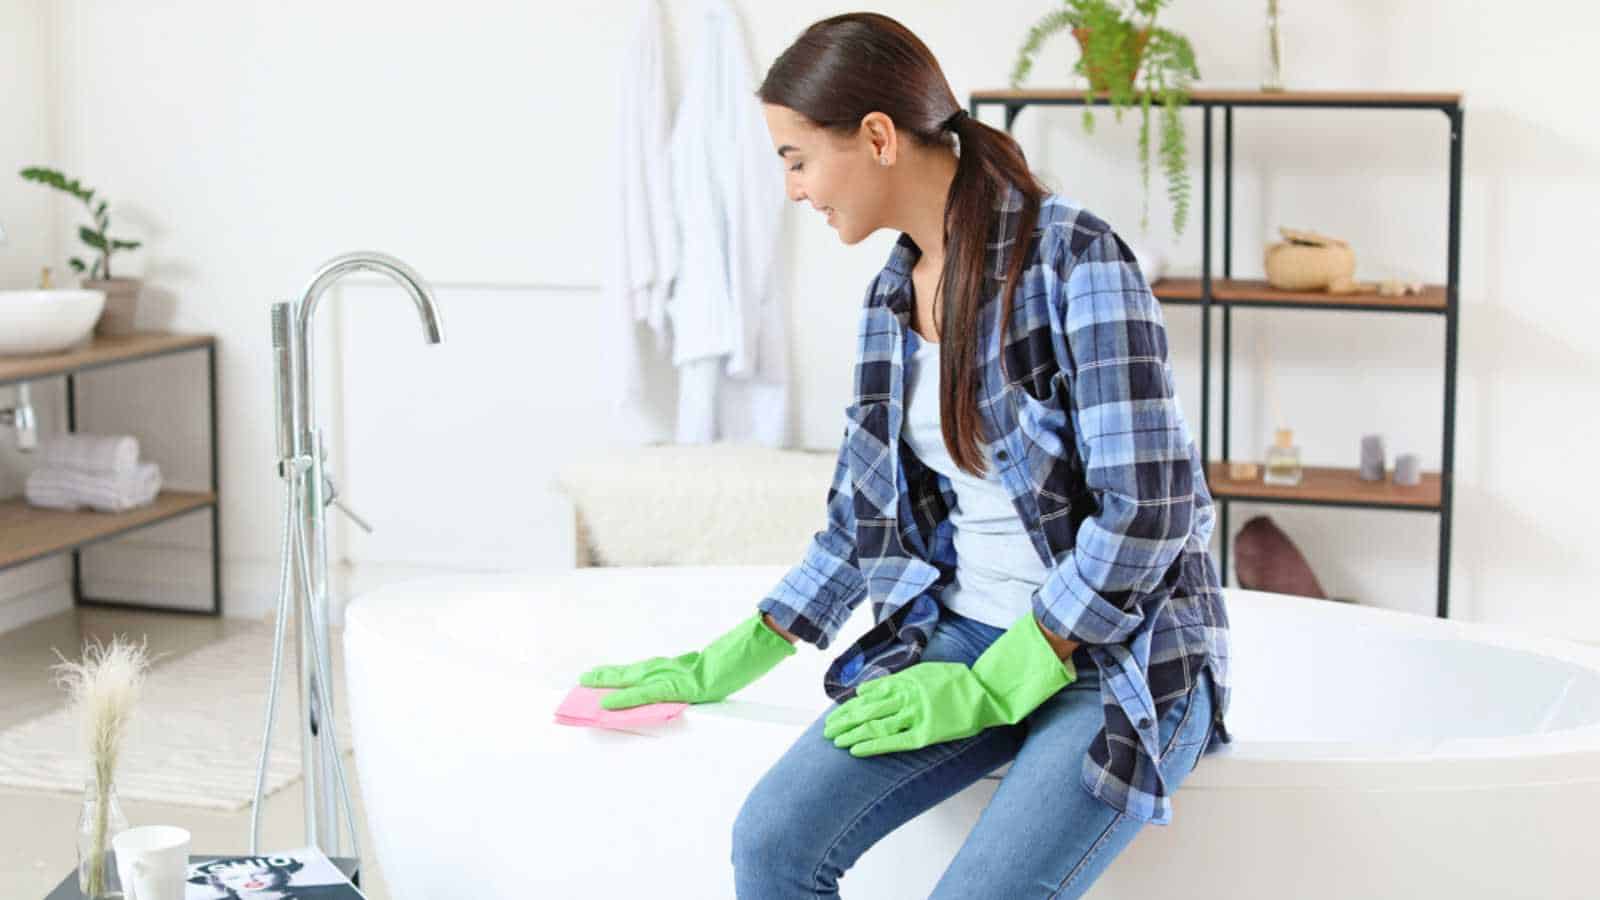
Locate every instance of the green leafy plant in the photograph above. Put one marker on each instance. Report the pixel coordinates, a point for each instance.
(1130, 61)
(95, 237)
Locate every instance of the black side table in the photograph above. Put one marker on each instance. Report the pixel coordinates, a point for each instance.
(68, 888)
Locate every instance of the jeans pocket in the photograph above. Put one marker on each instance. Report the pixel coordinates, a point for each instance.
(1194, 729)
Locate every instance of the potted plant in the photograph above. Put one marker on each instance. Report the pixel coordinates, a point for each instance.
(1129, 60)
(122, 294)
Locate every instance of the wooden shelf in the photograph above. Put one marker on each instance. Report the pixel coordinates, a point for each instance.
(1256, 292)
(101, 350)
(29, 532)
(1225, 97)
(1329, 486)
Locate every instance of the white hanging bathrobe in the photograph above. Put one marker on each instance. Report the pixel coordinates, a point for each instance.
(728, 331)
(644, 256)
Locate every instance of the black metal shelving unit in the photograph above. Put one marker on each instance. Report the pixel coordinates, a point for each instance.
(1334, 487)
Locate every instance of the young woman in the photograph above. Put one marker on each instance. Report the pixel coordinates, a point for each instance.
(1017, 491)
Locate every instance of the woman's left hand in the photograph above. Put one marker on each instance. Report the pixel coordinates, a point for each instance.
(926, 703)
(931, 702)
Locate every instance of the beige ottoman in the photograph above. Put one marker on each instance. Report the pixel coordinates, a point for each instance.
(697, 504)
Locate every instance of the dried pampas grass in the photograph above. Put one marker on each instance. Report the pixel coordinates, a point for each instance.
(104, 689)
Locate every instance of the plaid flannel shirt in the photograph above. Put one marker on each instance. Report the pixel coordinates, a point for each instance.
(1091, 444)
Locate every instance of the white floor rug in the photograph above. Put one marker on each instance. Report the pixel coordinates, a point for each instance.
(196, 735)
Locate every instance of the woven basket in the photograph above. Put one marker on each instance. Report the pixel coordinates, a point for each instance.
(1307, 261)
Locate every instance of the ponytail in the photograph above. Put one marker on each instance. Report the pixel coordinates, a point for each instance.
(990, 161)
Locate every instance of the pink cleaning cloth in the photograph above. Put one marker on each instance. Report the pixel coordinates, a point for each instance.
(582, 708)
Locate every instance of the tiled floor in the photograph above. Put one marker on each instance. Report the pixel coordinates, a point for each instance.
(37, 828)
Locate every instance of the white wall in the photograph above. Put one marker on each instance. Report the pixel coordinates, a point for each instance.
(246, 143)
(30, 217)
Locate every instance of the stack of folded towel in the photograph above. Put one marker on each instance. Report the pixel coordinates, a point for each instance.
(102, 472)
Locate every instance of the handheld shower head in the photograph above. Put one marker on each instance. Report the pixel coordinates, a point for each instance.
(283, 375)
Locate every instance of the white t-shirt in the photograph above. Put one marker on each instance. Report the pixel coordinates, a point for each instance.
(997, 568)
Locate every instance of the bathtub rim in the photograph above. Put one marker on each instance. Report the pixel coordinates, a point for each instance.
(1555, 757)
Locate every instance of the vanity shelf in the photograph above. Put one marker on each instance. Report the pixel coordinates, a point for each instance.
(29, 533)
(1320, 486)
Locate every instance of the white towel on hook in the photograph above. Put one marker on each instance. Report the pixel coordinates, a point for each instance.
(728, 193)
(61, 488)
(98, 453)
(644, 242)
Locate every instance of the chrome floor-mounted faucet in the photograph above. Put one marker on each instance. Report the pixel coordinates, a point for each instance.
(302, 457)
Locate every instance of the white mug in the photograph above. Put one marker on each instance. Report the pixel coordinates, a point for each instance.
(153, 862)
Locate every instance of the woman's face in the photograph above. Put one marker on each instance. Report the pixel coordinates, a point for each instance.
(839, 176)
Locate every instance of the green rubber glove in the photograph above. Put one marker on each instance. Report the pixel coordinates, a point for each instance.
(931, 702)
(737, 658)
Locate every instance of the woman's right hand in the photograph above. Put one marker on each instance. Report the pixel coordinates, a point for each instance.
(729, 663)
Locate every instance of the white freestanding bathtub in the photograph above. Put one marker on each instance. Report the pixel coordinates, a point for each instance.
(1375, 754)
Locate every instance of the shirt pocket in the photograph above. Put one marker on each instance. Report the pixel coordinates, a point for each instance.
(1051, 459)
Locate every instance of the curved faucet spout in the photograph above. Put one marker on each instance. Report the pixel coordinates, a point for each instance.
(384, 264)
(326, 275)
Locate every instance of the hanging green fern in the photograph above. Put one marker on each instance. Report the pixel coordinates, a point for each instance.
(1131, 62)
(1051, 24)
(1169, 71)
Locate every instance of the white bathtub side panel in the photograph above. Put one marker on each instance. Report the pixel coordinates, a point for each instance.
(473, 790)
(1247, 844)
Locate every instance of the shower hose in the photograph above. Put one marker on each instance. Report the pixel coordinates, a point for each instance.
(294, 539)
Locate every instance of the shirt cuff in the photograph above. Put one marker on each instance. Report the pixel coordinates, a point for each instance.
(811, 603)
(1069, 606)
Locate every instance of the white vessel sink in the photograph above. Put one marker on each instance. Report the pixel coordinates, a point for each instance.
(46, 321)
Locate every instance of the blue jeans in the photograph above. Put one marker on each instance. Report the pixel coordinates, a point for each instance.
(1043, 835)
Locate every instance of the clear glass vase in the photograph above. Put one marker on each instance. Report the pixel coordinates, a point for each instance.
(100, 820)
(1272, 57)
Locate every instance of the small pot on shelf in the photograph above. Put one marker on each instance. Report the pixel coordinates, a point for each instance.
(122, 300)
(1098, 82)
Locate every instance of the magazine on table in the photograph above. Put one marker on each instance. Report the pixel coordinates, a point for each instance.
(303, 874)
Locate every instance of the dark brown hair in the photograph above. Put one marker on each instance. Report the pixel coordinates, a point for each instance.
(846, 66)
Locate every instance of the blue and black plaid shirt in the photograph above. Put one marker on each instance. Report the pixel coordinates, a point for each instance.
(1100, 464)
